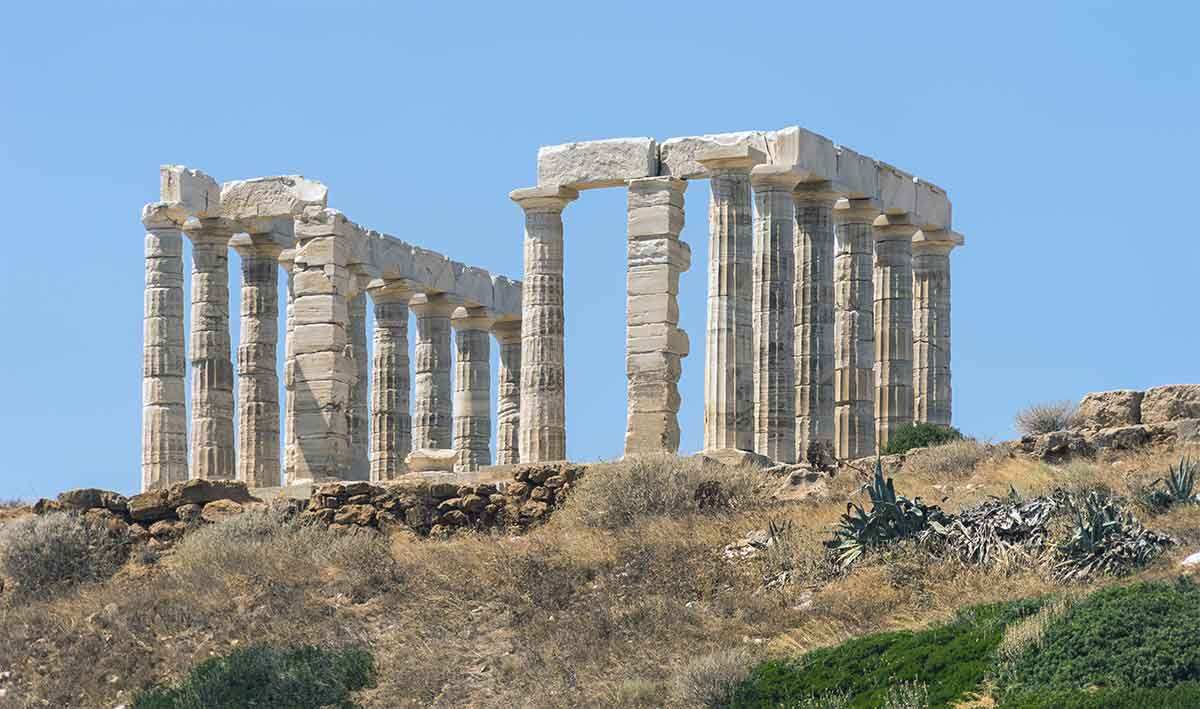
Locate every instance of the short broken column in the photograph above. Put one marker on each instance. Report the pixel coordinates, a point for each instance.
(360, 414)
(391, 422)
(728, 373)
(814, 322)
(773, 313)
(432, 422)
(543, 432)
(212, 365)
(258, 381)
(654, 342)
(164, 417)
(472, 388)
(854, 329)
(508, 392)
(931, 325)
(893, 325)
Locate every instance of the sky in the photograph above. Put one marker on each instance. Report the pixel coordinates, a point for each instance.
(1066, 135)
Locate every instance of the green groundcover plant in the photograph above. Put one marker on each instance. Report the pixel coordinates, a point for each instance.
(920, 435)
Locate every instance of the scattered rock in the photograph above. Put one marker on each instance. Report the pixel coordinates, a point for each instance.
(1171, 403)
(1192, 561)
(188, 513)
(219, 510)
(1120, 438)
(1110, 409)
(91, 498)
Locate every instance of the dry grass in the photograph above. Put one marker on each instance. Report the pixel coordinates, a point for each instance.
(954, 460)
(573, 614)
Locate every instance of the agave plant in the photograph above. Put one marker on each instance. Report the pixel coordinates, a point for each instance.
(891, 517)
(1178, 487)
(1105, 538)
(996, 528)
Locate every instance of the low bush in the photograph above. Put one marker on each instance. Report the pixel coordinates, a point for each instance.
(263, 676)
(920, 435)
(46, 554)
(1183, 696)
(710, 680)
(1045, 418)
(954, 459)
(614, 495)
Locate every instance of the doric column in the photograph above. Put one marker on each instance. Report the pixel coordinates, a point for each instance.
(543, 432)
(432, 423)
(654, 344)
(854, 329)
(360, 413)
(164, 418)
(728, 373)
(258, 382)
(212, 366)
(286, 262)
(508, 392)
(773, 313)
(931, 325)
(472, 388)
(893, 325)
(391, 422)
(814, 323)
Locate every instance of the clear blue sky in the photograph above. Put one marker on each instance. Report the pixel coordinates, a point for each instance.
(1066, 134)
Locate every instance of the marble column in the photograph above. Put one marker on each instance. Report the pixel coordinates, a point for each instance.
(258, 381)
(773, 312)
(472, 388)
(543, 432)
(508, 394)
(360, 413)
(391, 422)
(893, 326)
(654, 343)
(814, 322)
(728, 373)
(164, 417)
(854, 330)
(432, 423)
(286, 261)
(931, 325)
(212, 365)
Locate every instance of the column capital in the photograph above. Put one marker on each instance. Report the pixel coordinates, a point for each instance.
(216, 230)
(766, 178)
(816, 193)
(256, 245)
(936, 241)
(892, 227)
(160, 215)
(466, 318)
(507, 332)
(544, 198)
(387, 290)
(740, 158)
(433, 305)
(848, 211)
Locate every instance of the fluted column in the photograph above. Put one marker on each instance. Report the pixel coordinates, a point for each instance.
(286, 262)
(854, 330)
(654, 343)
(728, 373)
(931, 325)
(472, 388)
(543, 432)
(893, 326)
(164, 417)
(508, 392)
(432, 423)
(212, 365)
(814, 322)
(360, 413)
(258, 381)
(391, 422)
(773, 313)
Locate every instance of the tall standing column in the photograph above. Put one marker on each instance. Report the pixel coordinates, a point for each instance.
(854, 330)
(164, 417)
(814, 322)
(212, 365)
(360, 414)
(508, 392)
(893, 326)
(654, 344)
(391, 422)
(286, 261)
(432, 423)
(473, 388)
(773, 313)
(931, 325)
(543, 432)
(728, 374)
(258, 382)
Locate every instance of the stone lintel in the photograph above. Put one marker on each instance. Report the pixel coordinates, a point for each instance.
(189, 192)
(678, 156)
(730, 157)
(597, 163)
(897, 190)
(280, 196)
(544, 197)
(810, 154)
(857, 175)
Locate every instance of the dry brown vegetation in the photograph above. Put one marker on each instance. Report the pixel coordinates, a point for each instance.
(648, 613)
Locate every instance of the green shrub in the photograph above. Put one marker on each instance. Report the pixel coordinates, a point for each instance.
(1183, 696)
(951, 661)
(298, 678)
(920, 435)
(46, 554)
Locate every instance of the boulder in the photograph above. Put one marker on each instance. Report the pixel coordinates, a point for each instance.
(219, 510)
(90, 498)
(425, 460)
(150, 506)
(201, 492)
(1170, 403)
(734, 457)
(1109, 409)
(358, 515)
(188, 513)
(1058, 446)
(1120, 437)
(165, 529)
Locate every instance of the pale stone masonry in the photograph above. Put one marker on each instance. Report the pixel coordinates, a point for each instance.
(893, 283)
(472, 388)
(543, 431)
(508, 385)
(931, 325)
(854, 330)
(258, 462)
(360, 466)
(654, 343)
(286, 259)
(814, 321)
(774, 366)
(391, 422)
(432, 416)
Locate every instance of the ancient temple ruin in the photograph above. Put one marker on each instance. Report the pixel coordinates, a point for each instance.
(828, 317)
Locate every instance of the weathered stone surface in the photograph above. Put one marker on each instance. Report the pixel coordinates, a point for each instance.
(360, 415)
(1119, 437)
(814, 321)
(508, 386)
(597, 163)
(734, 457)
(1057, 447)
(678, 157)
(202, 492)
(92, 498)
(1169, 403)
(188, 192)
(149, 506)
(258, 462)
(932, 391)
(473, 388)
(812, 157)
(391, 422)
(1106, 409)
(219, 510)
(854, 349)
(893, 284)
(432, 459)
(271, 197)
(432, 415)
